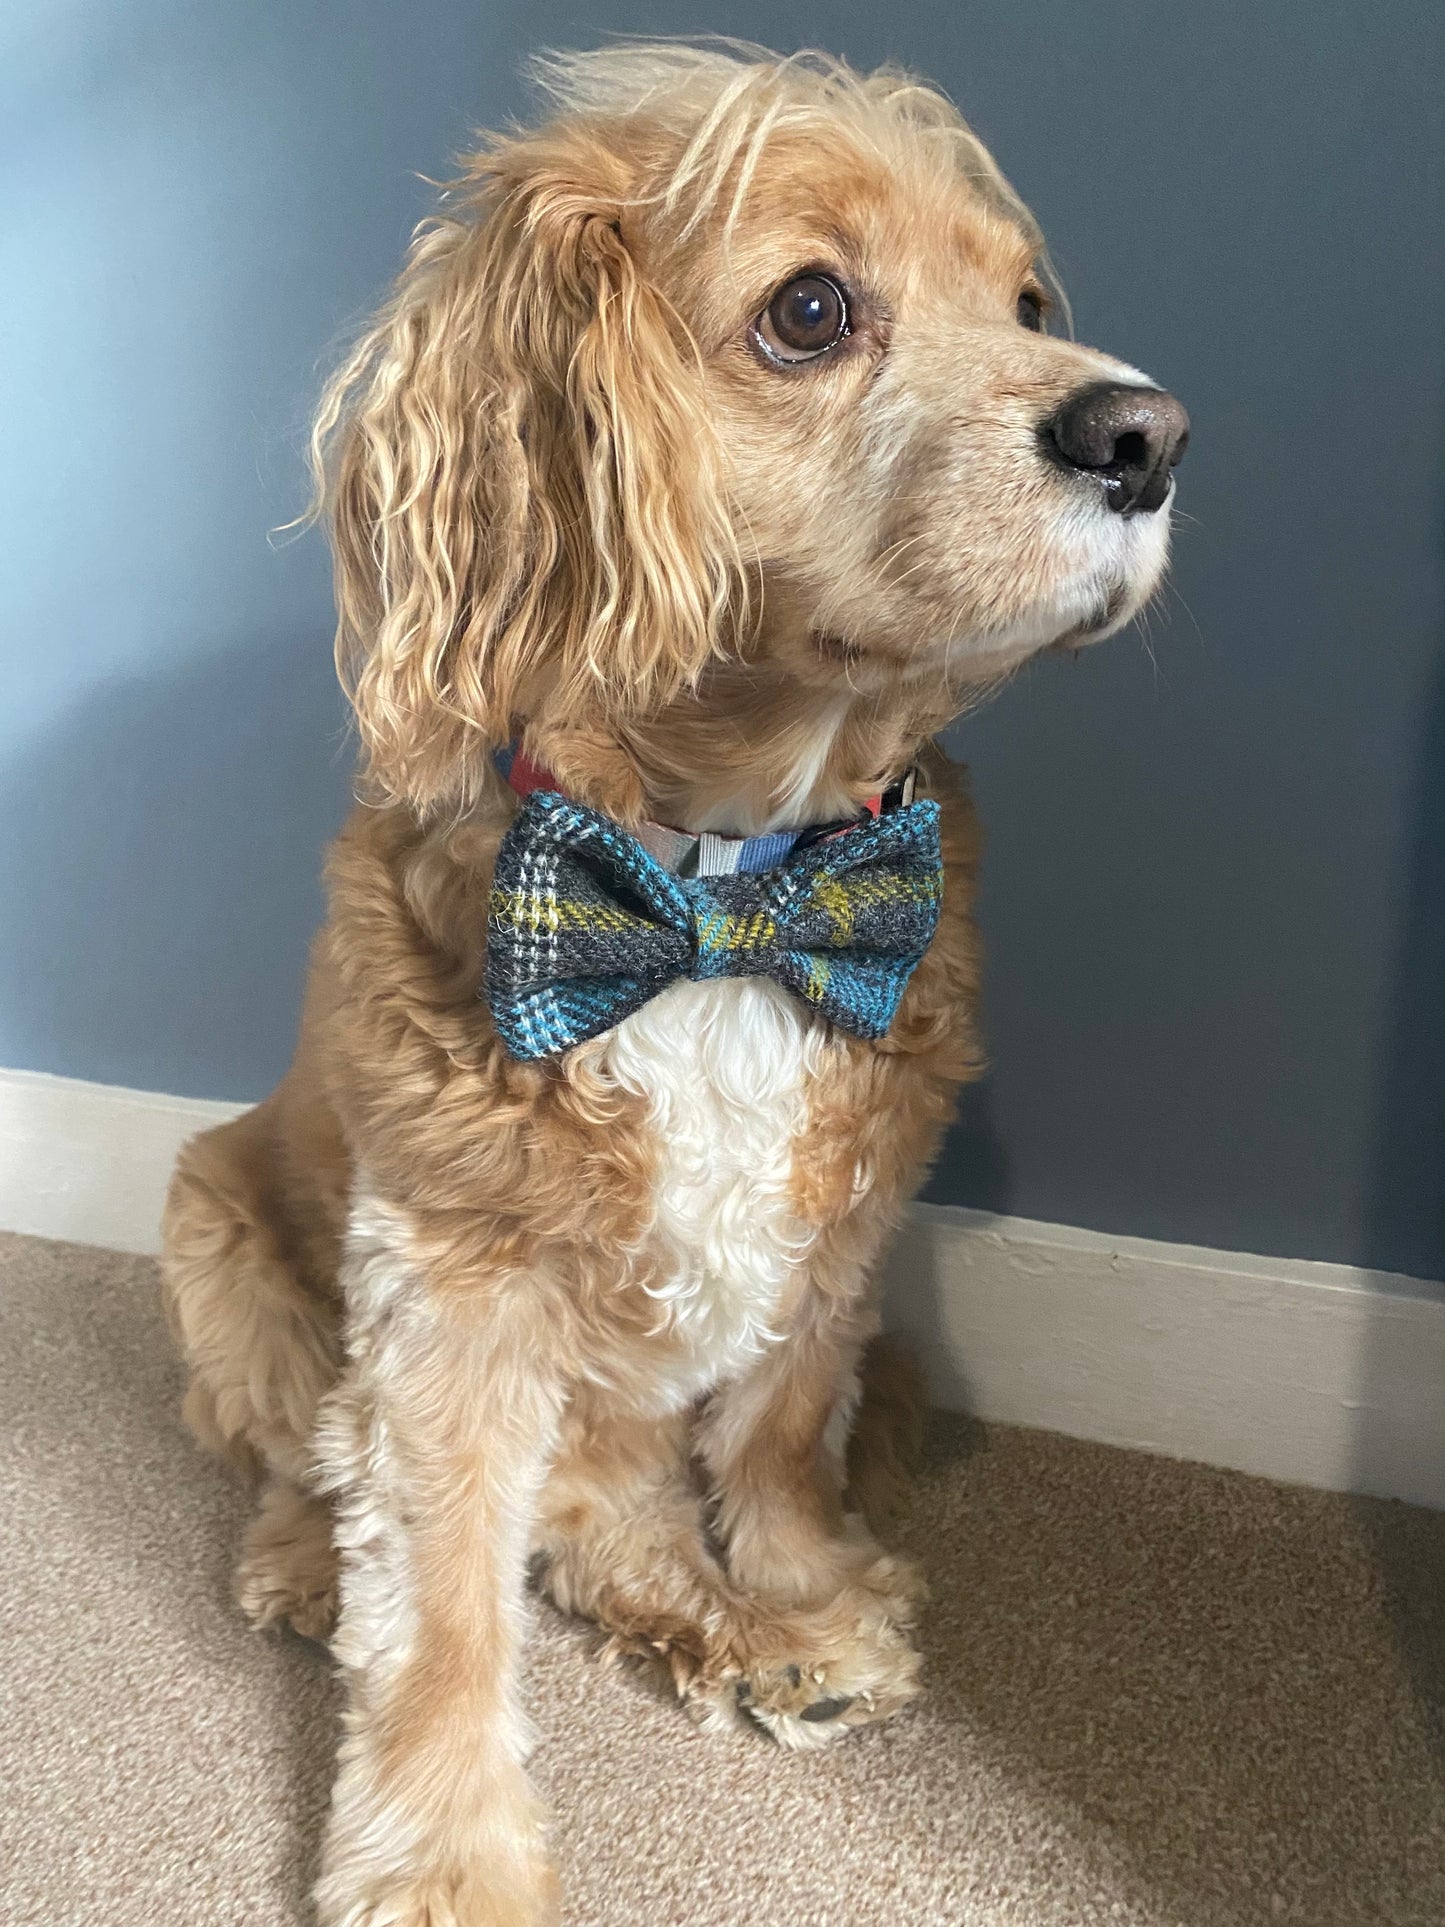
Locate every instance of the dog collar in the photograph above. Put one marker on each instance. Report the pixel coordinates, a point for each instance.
(687, 853)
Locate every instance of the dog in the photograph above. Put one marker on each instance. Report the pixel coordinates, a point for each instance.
(711, 453)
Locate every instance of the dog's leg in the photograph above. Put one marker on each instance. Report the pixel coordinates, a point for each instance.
(288, 1565)
(262, 1351)
(622, 1538)
(621, 1530)
(434, 1447)
(773, 1444)
(884, 1453)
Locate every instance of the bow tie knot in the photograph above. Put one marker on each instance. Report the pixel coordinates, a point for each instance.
(586, 926)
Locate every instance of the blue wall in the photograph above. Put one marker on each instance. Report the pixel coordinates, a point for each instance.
(1215, 898)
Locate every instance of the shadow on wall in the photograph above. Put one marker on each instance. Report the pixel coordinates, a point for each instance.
(162, 871)
(973, 1162)
(1407, 1203)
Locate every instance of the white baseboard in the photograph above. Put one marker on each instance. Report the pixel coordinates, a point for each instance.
(89, 1163)
(1319, 1374)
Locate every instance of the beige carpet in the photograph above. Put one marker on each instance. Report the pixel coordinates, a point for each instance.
(1160, 1696)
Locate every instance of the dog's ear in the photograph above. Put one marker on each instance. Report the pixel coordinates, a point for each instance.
(526, 495)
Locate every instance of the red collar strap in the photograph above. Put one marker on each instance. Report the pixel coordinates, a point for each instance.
(524, 776)
(687, 853)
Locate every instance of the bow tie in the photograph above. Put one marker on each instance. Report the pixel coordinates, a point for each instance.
(586, 926)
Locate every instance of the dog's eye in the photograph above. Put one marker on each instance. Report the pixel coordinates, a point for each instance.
(804, 319)
(1031, 311)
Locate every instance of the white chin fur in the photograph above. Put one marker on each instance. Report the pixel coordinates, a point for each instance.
(1104, 553)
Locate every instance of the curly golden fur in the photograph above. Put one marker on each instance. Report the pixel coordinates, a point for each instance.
(609, 1314)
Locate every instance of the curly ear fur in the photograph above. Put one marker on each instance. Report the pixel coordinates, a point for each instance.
(524, 487)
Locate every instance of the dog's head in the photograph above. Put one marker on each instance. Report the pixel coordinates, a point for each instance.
(730, 357)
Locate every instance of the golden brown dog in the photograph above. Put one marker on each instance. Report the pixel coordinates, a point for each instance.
(712, 444)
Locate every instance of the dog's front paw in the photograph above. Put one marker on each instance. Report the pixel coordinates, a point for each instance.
(841, 1681)
(461, 1897)
(809, 1674)
(288, 1569)
(267, 1599)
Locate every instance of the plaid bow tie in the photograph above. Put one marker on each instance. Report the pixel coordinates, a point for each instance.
(586, 925)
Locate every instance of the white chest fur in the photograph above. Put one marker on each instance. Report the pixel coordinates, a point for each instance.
(724, 1068)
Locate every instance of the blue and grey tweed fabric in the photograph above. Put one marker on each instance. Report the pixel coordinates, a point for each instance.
(586, 925)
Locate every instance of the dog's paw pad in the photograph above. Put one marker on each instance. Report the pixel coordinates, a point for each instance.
(778, 1702)
(827, 1709)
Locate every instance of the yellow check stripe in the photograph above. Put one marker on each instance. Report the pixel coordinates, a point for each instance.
(718, 931)
(816, 983)
(534, 911)
(844, 898)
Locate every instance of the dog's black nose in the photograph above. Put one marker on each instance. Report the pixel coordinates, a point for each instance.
(1129, 437)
